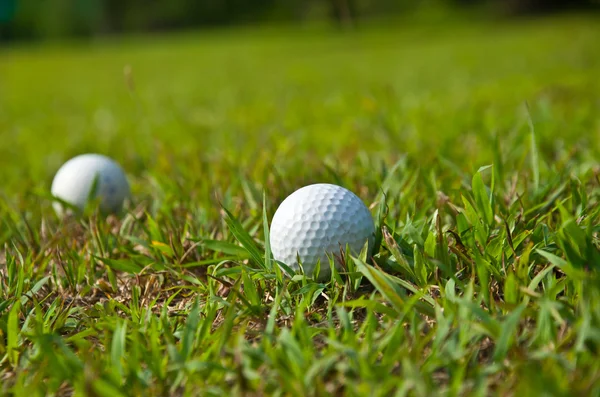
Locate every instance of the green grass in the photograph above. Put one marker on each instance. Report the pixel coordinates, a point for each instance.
(475, 146)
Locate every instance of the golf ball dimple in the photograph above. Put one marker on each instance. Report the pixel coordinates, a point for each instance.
(74, 181)
(316, 221)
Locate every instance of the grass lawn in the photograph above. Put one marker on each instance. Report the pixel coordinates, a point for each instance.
(475, 146)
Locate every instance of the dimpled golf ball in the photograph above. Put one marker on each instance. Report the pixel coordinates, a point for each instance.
(316, 221)
(74, 181)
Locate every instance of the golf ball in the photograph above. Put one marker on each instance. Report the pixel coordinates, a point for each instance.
(316, 221)
(74, 181)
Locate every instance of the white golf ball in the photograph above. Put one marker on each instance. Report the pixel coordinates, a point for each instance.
(316, 221)
(74, 181)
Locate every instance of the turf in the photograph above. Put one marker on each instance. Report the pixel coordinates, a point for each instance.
(475, 146)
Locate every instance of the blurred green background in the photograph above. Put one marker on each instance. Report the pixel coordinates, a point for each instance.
(442, 84)
(35, 19)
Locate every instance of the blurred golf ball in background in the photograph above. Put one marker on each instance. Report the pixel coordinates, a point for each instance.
(316, 221)
(74, 181)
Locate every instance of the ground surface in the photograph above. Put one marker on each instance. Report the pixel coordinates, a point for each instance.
(485, 279)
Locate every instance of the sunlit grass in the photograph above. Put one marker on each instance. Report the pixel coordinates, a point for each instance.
(474, 146)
